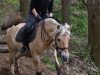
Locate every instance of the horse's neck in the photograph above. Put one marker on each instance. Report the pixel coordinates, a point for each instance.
(45, 31)
(51, 32)
(47, 35)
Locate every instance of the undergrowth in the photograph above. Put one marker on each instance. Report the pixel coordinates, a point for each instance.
(46, 60)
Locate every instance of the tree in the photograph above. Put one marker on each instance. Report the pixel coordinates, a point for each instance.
(65, 11)
(94, 29)
(24, 7)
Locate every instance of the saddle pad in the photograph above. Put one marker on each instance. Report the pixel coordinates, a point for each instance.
(30, 36)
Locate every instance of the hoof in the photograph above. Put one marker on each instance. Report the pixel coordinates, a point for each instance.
(58, 69)
(38, 73)
(14, 71)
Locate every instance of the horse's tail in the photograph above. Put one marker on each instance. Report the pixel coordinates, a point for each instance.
(10, 20)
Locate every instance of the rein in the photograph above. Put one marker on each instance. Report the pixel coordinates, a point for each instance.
(43, 32)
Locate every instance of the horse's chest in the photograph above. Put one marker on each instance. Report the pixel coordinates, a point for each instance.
(36, 45)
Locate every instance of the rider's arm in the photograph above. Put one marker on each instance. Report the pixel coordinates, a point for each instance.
(50, 9)
(34, 12)
(32, 7)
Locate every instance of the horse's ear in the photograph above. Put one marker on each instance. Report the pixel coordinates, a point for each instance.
(68, 26)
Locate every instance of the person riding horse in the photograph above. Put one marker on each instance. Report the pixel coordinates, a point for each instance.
(39, 10)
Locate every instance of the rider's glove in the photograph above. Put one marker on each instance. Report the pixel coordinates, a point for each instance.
(39, 18)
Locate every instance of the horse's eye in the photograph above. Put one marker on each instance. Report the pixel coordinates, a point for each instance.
(58, 26)
(58, 39)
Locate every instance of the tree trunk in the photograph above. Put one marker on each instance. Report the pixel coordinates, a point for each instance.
(24, 7)
(65, 11)
(94, 29)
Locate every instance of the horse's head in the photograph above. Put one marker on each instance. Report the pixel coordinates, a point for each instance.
(62, 41)
(62, 36)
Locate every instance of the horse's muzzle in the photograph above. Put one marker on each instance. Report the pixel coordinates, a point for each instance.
(64, 56)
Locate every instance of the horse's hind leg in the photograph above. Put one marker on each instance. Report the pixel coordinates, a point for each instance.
(13, 63)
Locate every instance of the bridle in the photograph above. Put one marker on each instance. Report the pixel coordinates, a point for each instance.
(55, 40)
(43, 31)
(56, 45)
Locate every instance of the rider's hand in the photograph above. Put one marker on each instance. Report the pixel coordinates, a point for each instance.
(39, 18)
(50, 15)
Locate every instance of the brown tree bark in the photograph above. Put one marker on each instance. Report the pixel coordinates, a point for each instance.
(94, 29)
(24, 7)
(65, 11)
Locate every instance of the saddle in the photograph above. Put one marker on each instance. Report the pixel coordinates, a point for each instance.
(30, 35)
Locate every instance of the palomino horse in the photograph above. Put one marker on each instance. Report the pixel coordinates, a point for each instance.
(54, 36)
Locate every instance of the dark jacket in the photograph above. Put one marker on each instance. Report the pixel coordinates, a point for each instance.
(41, 6)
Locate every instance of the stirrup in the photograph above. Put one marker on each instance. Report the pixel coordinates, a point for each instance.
(23, 49)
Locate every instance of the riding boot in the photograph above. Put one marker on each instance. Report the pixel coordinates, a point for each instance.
(25, 42)
(23, 49)
(26, 33)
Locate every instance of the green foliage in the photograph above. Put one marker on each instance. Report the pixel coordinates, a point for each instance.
(15, 3)
(79, 47)
(49, 63)
(98, 72)
(79, 24)
(78, 17)
(57, 9)
(79, 20)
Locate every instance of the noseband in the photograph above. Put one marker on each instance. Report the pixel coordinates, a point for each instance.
(57, 47)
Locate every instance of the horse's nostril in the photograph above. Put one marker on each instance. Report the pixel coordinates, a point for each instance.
(58, 39)
(65, 58)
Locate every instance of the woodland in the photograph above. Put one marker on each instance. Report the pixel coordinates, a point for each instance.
(84, 18)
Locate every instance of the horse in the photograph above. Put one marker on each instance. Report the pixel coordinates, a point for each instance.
(50, 35)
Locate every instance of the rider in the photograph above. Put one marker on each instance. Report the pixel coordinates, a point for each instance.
(39, 10)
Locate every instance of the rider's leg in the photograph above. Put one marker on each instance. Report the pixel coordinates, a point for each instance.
(26, 33)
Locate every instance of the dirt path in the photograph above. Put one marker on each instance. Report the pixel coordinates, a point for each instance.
(25, 66)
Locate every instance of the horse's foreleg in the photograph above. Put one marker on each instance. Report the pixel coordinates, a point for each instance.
(57, 65)
(17, 56)
(36, 62)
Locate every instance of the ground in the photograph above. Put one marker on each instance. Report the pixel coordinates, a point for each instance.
(25, 66)
(74, 67)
